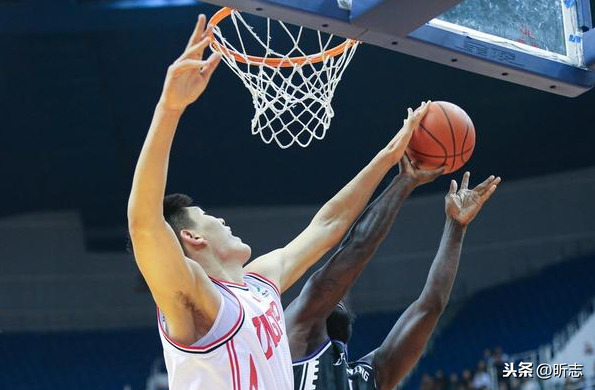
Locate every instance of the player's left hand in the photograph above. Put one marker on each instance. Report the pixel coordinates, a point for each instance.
(464, 204)
(419, 176)
(189, 75)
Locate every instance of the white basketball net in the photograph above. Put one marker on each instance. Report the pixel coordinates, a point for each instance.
(293, 103)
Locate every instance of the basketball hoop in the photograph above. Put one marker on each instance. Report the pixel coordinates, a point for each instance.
(291, 92)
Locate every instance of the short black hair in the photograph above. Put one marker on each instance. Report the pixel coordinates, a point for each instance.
(176, 214)
(339, 323)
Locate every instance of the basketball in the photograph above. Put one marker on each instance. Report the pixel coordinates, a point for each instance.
(445, 137)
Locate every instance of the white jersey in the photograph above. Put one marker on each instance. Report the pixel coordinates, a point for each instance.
(246, 348)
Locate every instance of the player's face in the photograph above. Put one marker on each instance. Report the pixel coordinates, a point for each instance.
(219, 236)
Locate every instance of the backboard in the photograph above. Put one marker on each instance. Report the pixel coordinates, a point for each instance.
(542, 44)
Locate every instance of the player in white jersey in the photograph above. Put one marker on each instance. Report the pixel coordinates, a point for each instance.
(222, 326)
(235, 359)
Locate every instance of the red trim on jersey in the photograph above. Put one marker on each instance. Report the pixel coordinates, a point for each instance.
(264, 279)
(237, 364)
(220, 341)
(231, 366)
(233, 284)
(253, 375)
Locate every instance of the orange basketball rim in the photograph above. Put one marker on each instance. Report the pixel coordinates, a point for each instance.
(273, 62)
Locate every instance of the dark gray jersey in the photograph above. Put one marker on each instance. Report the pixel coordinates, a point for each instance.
(328, 369)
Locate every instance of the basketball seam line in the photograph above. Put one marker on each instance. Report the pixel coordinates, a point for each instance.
(437, 141)
(452, 133)
(435, 156)
(464, 141)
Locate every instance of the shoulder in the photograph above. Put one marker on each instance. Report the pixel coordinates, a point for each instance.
(322, 350)
(260, 281)
(229, 320)
(269, 265)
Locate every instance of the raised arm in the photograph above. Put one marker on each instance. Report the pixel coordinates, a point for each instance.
(286, 265)
(405, 343)
(174, 282)
(306, 315)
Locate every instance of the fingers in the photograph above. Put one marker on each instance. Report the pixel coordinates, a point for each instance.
(496, 181)
(186, 64)
(405, 165)
(419, 109)
(398, 144)
(409, 122)
(488, 193)
(414, 117)
(420, 112)
(465, 181)
(481, 188)
(205, 67)
(211, 65)
(453, 187)
(436, 172)
(198, 32)
(195, 51)
(405, 161)
(423, 109)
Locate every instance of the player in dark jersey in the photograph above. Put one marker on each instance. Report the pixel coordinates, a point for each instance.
(318, 323)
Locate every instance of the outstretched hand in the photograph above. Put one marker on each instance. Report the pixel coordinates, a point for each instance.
(396, 147)
(463, 205)
(189, 75)
(419, 176)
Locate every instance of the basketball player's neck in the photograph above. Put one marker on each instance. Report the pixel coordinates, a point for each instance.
(229, 269)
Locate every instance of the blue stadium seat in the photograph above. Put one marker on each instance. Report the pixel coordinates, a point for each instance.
(518, 316)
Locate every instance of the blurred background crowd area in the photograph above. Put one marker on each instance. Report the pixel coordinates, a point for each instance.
(490, 373)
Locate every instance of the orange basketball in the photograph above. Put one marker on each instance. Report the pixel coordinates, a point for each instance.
(445, 137)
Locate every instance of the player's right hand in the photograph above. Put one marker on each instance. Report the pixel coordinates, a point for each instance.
(189, 75)
(396, 147)
(414, 118)
(419, 176)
